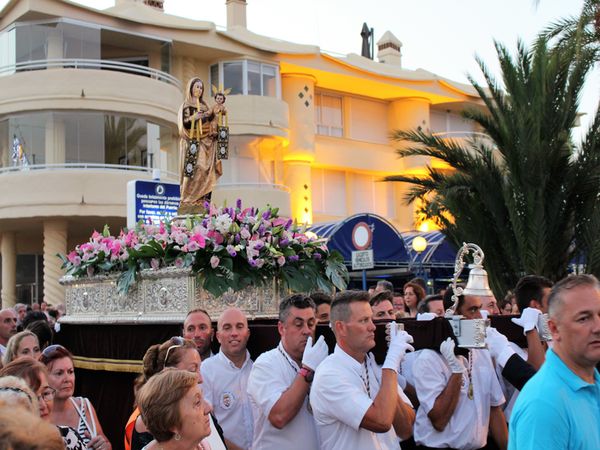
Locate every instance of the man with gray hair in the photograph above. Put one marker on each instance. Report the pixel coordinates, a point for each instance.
(357, 405)
(280, 380)
(560, 406)
(20, 311)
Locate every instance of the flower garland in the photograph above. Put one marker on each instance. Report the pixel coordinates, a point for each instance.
(229, 248)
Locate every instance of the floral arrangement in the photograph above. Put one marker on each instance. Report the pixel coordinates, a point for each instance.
(227, 247)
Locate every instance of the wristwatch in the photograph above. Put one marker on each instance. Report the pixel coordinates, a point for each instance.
(307, 374)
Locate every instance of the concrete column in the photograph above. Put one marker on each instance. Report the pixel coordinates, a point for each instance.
(55, 241)
(409, 114)
(8, 248)
(55, 140)
(298, 92)
(297, 176)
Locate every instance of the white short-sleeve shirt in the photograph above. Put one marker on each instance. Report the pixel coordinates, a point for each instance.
(468, 426)
(272, 374)
(225, 388)
(340, 398)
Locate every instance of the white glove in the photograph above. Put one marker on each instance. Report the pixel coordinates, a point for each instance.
(528, 320)
(399, 344)
(314, 354)
(426, 316)
(498, 345)
(447, 351)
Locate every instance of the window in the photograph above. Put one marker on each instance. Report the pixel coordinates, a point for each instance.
(246, 78)
(328, 115)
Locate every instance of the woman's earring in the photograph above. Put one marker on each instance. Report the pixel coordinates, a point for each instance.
(177, 436)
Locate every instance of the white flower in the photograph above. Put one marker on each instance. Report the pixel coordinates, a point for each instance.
(223, 223)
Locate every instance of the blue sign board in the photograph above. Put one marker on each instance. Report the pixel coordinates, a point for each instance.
(151, 201)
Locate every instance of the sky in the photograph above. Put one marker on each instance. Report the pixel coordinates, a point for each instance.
(441, 36)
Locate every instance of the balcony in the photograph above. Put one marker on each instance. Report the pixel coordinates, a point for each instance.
(258, 115)
(89, 84)
(64, 190)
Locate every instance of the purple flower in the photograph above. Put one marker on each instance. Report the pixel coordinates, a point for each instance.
(288, 224)
(207, 206)
(238, 203)
(252, 262)
(237, 239)
(266, 214)
(231, 250)
(261, 230)
(317, 256)
(293, 258)
(284, 242)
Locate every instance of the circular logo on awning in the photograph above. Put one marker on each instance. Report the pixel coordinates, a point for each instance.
(362, 236)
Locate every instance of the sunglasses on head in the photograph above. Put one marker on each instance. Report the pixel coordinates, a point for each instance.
(47, 352)
(179, 341)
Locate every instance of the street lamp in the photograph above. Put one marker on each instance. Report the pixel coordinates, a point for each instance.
(419, 244)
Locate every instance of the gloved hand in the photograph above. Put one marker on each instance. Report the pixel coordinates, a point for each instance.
(399, 344)
(314, 354)
(426, 316)
(498, 345)
(528, 320)
(484, 313)
(447, 351)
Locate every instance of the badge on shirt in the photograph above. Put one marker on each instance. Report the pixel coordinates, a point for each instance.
(227, 399)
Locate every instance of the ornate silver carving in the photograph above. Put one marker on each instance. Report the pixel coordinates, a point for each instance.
(164, 295)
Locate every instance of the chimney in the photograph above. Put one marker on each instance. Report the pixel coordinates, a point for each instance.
(236, 13)
(388, 50)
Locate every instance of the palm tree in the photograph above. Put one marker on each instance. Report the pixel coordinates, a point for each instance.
(524, 193)
(579, 31)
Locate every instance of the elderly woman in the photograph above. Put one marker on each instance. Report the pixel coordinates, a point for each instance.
(23, 344)
(174, 411)
(15, 392)
(75, 412)
(413, 294)
(36, 376)
(176, 352)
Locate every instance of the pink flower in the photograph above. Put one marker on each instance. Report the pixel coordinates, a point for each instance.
(214, 261)
(198, 239)
(179, 263)
(281, 260)
(259, 262)
(244, 233)
(154, 263)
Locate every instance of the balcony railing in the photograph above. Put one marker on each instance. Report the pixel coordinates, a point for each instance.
(167, 175)
(99, 64)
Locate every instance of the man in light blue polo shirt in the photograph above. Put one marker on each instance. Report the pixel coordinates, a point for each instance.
(559, 408)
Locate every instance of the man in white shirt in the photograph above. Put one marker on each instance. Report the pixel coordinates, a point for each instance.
(280, 380)
(197, 327)
(460, 398)
(226, 379)
(356, 405)
(8, 327)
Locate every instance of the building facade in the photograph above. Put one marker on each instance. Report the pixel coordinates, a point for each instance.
(90, 99)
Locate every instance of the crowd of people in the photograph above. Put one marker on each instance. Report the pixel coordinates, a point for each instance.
(299, 396)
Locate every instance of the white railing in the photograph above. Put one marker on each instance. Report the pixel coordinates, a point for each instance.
(167, 175)
(100, 64)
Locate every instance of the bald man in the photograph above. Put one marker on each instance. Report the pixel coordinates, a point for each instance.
(8, 327)
(226, 378)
